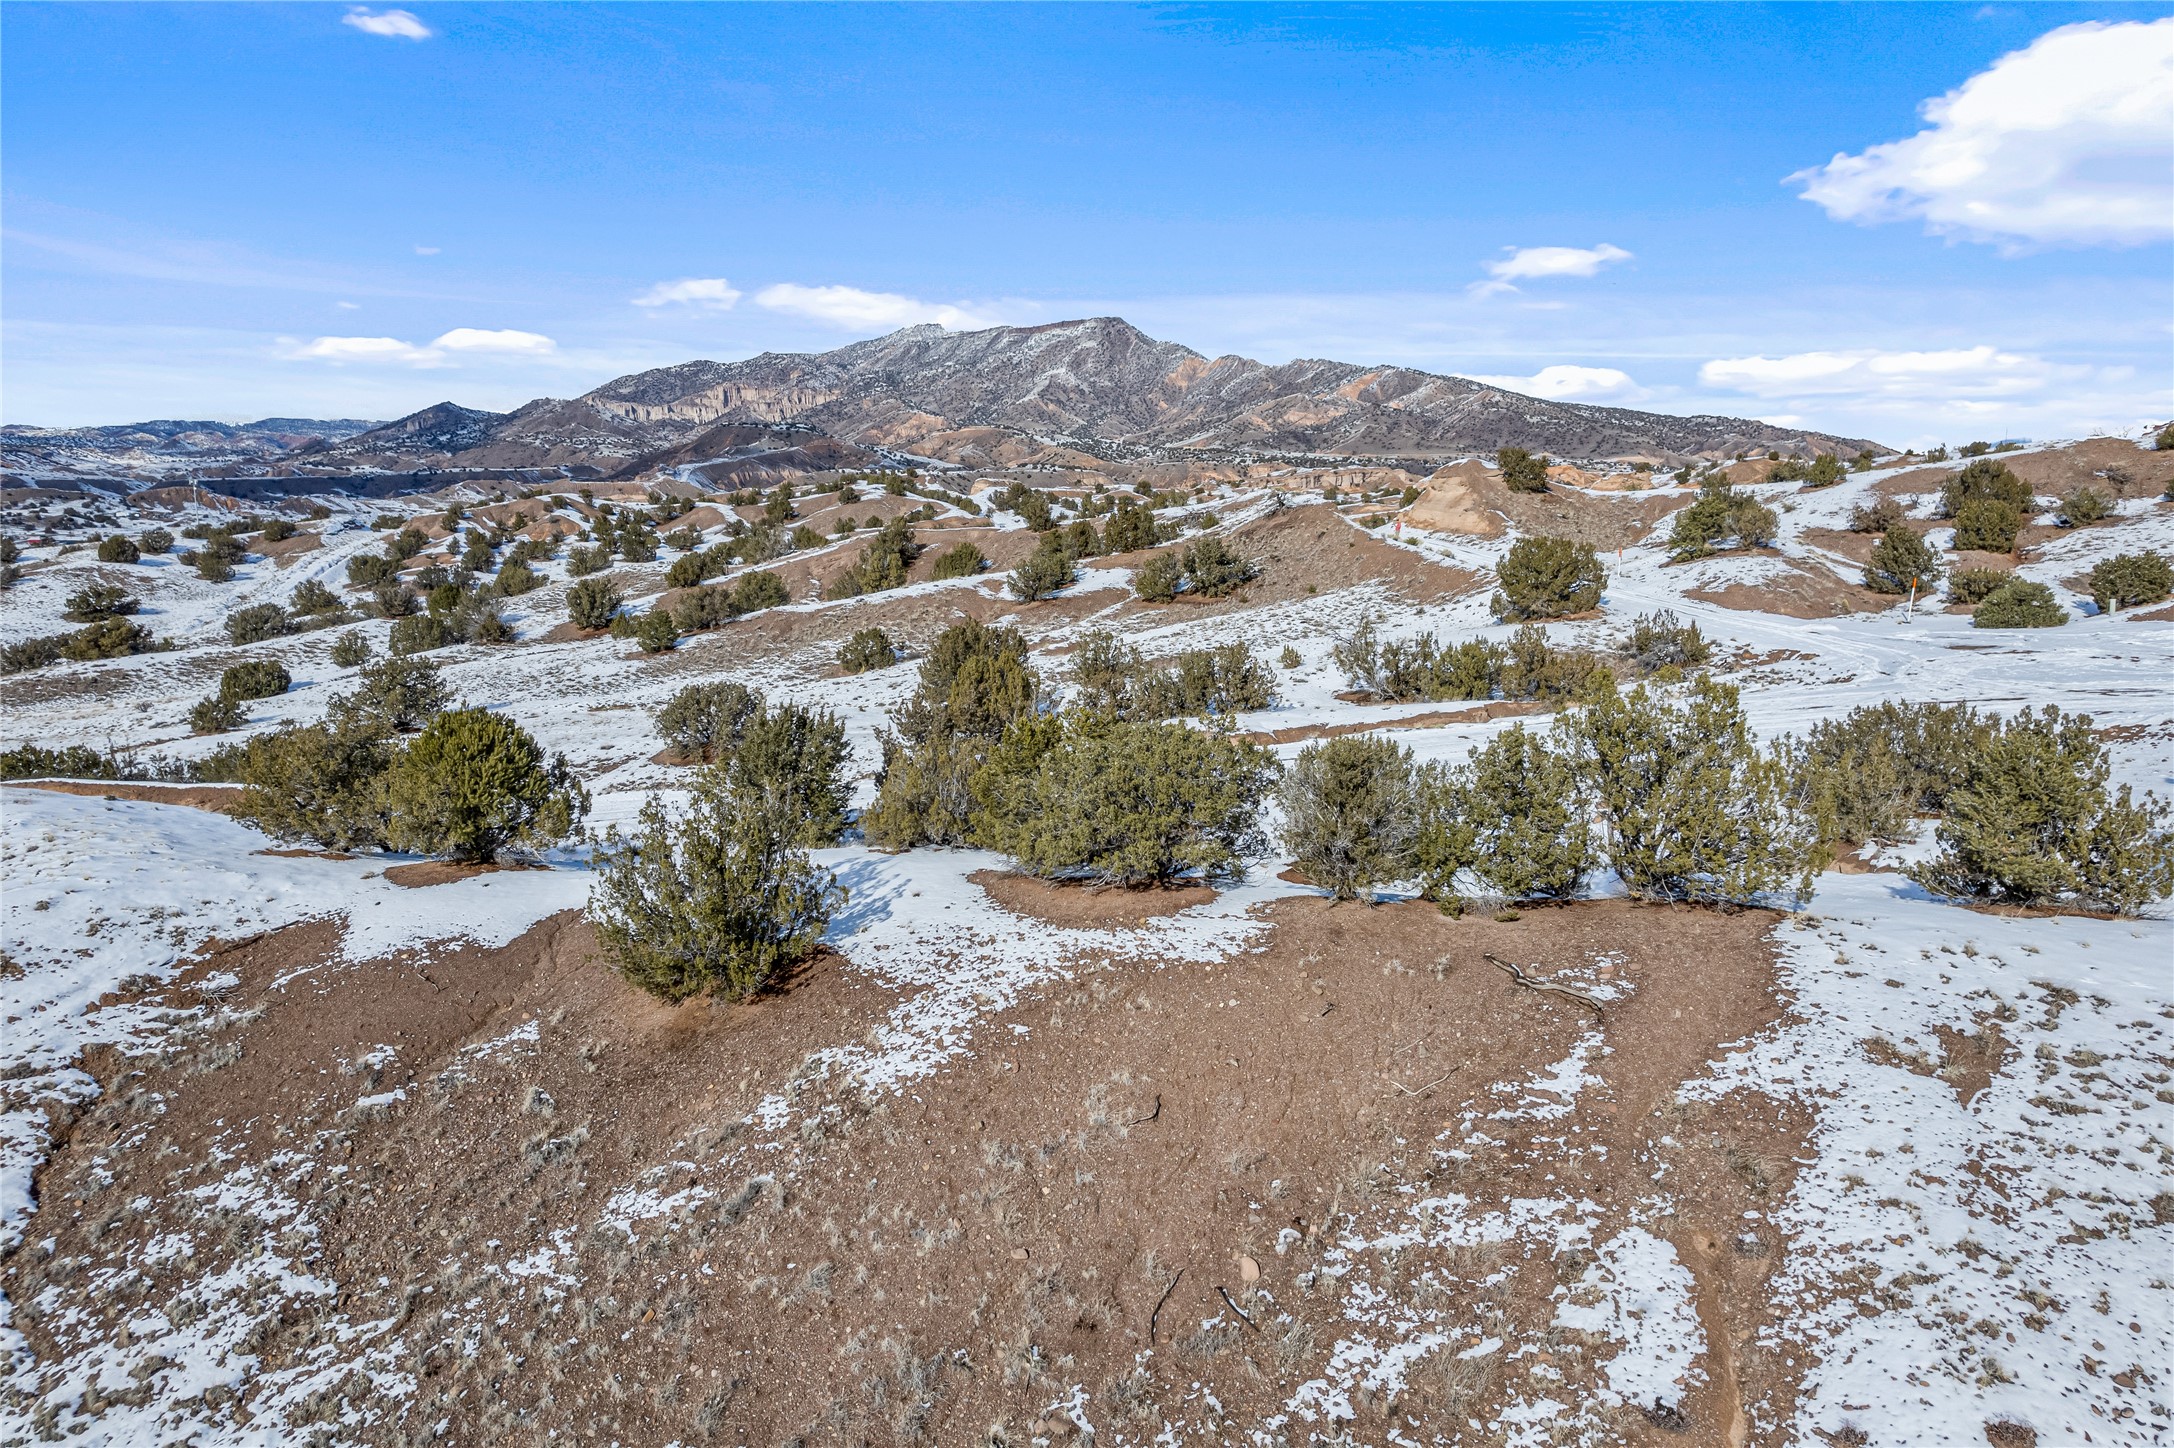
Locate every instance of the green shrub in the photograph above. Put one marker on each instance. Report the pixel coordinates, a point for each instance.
(1877, 516)
(1131, 528)
(312, 597)
(702, 608)
(1522, 472)
(705, 721)
(368, 570)
(1289, 659)
(1864, 775)
(868, 649)
(407, 543)
(2164, 440)
(2019, 603)
(1985, 480)
(883, 562)
(754, 592)
(1127, 804)
(1752, 523)
(156, 541)
(974, 685)
(1976, 585)
(2130, 580)
(394, 697)
(689, 570)
(717, 899)
(322, 783)
(1660, 641)
(1351, 814)
(75, 761)
(257, 623)
(1045, 571)
(1159, 577)
(1548, 578)
(1204, 682)
(1694, 810)
(1531, 668)
(109, 638)
(591, 603)
(1213, 569)
(655, 632)
(256, 679)
(119, 548)
(474, 783)
(1987, 525)
(95, 601)
(278, 530)
(516, 578)
(31, 653)
(2034, 824)
(1825, 471)
(418, 634)
(790, 763)
(1901, 561)
(580, 562)
(2085, 505)
(350, 650)
(803, 538)
(1519, 818)
(217, 714)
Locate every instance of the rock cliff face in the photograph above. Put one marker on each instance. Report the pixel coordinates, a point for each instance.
(996, 397)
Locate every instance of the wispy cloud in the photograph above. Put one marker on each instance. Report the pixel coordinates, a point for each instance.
(1567, 382)
(427, 250)
(2067, 141)
(1528, 263)
(461, 341)
(1953, 374)
(852, 308)
(708, 294)
(392, 24)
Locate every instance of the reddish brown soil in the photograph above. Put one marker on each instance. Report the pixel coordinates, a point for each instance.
(219, 798)
(1078, 905)
(443, 872)
(1804, 592)
(917, 1267)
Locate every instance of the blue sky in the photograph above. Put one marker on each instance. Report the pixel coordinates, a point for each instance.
(243, 210)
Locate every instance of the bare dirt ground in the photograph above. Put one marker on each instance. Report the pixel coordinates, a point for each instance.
(219, 797)
(1138, 1191)
(1805, 591)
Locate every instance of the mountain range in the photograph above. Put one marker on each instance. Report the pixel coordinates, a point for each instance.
(1068, 394)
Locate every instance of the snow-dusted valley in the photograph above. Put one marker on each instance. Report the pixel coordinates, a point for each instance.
(303, 1144)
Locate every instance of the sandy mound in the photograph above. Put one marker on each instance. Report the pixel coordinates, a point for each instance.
(1447, 504)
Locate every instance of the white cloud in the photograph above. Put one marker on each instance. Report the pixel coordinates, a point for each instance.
(851, 307)
(461, 341)
(1956, 375)
(2069, 140)
(361, 349)
(1566, 383)
(392, 24)
(475, 339)
(709, 294)
(348, 306)
(426, 251)
(1528, 262)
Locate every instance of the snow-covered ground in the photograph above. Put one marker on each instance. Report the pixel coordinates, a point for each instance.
(2021, 1241)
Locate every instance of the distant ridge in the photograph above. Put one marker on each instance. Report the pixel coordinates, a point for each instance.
(996, 396)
